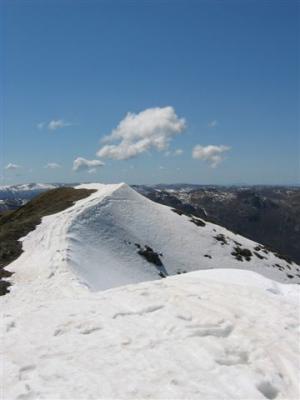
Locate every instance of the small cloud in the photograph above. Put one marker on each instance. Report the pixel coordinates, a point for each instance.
(152, 128)
(92, 171)
(12, 167)
(52, 165)
(212, 154)
(213, 124)
(57, 124)
(53, 124)
(40, 125)
(81, 164)
(178, 152)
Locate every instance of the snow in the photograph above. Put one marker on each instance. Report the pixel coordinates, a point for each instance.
(193, 336)
(219, 333)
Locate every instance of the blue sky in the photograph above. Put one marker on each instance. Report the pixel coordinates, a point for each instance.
(73, 69)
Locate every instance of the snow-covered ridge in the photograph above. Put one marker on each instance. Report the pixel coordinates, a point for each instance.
(97, 242)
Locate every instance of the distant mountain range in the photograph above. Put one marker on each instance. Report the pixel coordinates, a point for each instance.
(14, 196)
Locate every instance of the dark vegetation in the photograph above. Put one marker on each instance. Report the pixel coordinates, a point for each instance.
(18, 223)
(241, 253)
(153, 258)
(221, 238)
(149, 254)
(197, 221)
(179, 212)
(259, 255)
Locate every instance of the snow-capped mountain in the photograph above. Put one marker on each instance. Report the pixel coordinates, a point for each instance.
(14, 196)
(228, 328)
(116, 236)
(269, 215)
(26, 189)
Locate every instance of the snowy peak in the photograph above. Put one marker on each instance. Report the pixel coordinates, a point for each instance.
(117, 190)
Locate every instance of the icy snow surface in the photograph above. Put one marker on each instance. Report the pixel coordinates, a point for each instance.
(186, 337)
(212, 334)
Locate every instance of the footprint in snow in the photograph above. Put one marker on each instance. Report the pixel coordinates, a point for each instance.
(221, 330)
(25, 371)
(143, 311)
(233, 357)
(89, 330)
(268, 390)
(11, 325)
(84, 329)
(185, 317)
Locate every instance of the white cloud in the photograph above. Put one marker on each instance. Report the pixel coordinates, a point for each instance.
(52, 165)
(137, 133)
(176, 152)
(212, 154)
(57, 124)
(53, 124)
(12, 167)
(213, 124)
(81, 164)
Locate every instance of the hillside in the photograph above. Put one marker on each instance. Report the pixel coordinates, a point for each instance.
(266, 214)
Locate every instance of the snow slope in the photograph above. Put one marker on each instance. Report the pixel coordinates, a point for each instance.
(212, 334)
(192, 336)
(97, 238)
